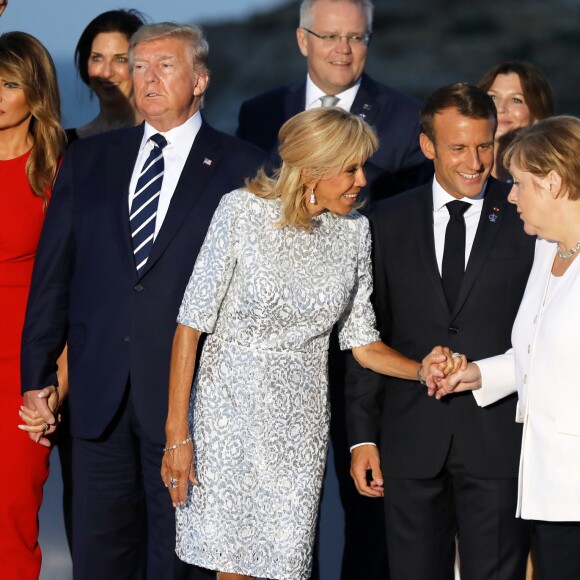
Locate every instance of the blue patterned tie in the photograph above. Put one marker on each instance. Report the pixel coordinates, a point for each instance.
(145, 202)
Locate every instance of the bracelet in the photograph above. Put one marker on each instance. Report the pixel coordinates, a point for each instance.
(419, 377)
(176, 445)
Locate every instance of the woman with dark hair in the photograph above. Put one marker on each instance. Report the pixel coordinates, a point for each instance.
(522, 96)
(31, 143)
(102, 61)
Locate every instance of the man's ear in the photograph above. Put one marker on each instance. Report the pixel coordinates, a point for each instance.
(427, 146)
(201, 84)
(301, 35)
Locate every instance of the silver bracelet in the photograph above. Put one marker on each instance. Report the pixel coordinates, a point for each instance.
(419, 377)
(176, 445)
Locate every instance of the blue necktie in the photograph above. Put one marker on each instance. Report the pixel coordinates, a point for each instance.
(145, 202)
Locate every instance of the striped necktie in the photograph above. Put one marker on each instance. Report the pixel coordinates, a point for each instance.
(145, 202)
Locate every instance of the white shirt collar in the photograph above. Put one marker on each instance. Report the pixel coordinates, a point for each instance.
(313, 94)
(441, 197)
(179, 138)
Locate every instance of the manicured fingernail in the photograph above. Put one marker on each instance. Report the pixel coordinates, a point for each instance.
(21, 427)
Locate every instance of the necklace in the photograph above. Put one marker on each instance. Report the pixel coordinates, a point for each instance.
(567, 255)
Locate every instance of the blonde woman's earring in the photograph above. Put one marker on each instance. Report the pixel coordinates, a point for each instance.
(312, 196)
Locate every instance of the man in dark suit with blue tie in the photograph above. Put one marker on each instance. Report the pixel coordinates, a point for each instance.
(128, 215)
(334, 36)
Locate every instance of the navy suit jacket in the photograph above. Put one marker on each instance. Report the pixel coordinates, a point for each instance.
(396, 166)
(85, 288)
(413, 430)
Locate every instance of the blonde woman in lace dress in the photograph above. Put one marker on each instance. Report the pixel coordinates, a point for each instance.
(283, 261)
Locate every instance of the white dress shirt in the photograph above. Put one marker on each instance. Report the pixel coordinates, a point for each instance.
(441, 219)
(313, 95)
(179, 142)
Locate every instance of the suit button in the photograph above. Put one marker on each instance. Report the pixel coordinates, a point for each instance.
(127, 339)
(529, 348)
(525, 379)
(453, 330)
(139, 288)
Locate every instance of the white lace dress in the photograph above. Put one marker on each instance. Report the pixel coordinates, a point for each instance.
(268, 298)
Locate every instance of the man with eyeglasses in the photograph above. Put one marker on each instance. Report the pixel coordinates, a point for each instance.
(334, 36)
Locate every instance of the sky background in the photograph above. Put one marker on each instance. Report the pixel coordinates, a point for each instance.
(59, 23)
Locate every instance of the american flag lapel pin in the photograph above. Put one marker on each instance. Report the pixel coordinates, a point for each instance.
(493, 215)
(207, 161)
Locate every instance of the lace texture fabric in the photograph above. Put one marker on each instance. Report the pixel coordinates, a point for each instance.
(268, 297)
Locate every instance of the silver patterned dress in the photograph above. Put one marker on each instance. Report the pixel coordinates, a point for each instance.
(268, 298)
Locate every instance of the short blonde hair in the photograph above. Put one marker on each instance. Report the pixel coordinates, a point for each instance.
(313, 144)
(550, 145)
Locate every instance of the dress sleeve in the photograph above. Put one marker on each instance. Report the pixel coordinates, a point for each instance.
(213, 268)
(357, 325)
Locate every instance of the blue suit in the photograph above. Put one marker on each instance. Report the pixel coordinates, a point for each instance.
(119, 327)
(397, 165)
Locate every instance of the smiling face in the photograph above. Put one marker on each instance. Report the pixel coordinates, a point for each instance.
(512, 110)
(462, 152)
(338, 193)
(108, 67)
(334, 67)
(167, 90)
(15, 113)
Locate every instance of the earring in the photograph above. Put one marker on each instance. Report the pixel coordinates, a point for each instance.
(312, 196)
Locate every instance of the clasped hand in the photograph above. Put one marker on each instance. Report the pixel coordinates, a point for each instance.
(450, 375)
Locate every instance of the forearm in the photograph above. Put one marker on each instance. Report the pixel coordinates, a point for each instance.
(383, 359)
(183, 359)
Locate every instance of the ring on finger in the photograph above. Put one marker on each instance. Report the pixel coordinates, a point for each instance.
(45, 426)
(173, 483)
(456, 355)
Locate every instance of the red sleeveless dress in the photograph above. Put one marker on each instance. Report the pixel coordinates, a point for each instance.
(24, 462)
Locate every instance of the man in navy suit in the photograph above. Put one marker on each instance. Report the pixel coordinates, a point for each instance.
(334, 36)
(116, 311)
(451, 261)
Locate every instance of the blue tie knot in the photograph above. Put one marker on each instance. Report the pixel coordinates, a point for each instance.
(159, 140)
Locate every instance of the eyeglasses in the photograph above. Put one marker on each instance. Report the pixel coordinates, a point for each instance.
(353, 39)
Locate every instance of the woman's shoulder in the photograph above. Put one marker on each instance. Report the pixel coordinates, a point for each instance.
(245, 202)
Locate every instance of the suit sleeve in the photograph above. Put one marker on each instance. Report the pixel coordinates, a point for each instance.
(46, 322)
(364, 389)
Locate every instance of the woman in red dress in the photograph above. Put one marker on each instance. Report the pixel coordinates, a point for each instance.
(31, 143)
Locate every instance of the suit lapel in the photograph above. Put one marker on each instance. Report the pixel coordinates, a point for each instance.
(203, 160)
(490, 223)
(294, 100)
(425, 239)
(365, 104)
(122, 155)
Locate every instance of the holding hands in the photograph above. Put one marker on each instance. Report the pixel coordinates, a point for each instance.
(452, 375)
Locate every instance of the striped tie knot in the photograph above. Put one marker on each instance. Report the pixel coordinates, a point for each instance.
(145, 202)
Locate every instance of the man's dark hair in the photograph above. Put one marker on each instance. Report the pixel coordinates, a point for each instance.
(469, 100)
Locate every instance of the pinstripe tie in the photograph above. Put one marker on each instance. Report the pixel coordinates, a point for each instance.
(145, 202)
